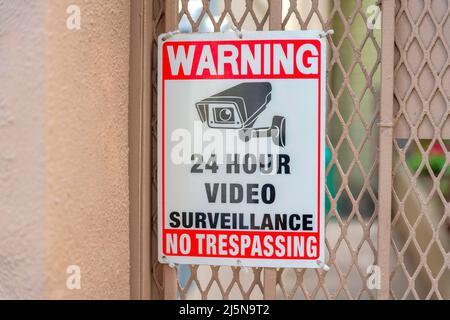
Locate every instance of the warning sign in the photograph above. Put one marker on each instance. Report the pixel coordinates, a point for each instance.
(241, 128)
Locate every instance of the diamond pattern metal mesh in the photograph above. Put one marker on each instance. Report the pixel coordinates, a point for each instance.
(244, 14)
(156, 268)
(419, 261)
(205, 282)
(353, 91)
(421, 218)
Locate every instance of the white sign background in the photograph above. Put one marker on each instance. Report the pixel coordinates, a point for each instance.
(301, 191)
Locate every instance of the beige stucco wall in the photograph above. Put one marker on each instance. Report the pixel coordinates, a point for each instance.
(21, 149)
(64, 149)
(86, 134)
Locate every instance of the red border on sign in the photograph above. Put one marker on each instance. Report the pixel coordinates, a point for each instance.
(193, 231)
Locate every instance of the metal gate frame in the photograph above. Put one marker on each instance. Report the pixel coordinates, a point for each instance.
(149, 18)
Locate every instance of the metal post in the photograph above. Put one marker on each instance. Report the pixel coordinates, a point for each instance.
(386, 139)
(140, 146)
(170, 274)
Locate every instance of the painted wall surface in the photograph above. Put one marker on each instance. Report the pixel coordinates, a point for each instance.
(86, 147)
(64, 149)
(21, 149)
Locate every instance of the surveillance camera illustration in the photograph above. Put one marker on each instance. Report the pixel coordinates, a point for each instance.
(238, 108)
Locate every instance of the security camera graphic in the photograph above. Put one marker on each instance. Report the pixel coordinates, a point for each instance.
(238, 108)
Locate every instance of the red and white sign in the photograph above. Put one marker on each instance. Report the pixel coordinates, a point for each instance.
(241, 129)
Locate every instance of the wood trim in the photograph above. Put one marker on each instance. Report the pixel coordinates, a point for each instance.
(139, 148)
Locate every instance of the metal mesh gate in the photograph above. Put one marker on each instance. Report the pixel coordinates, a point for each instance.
(420, 199)
(360, 132)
